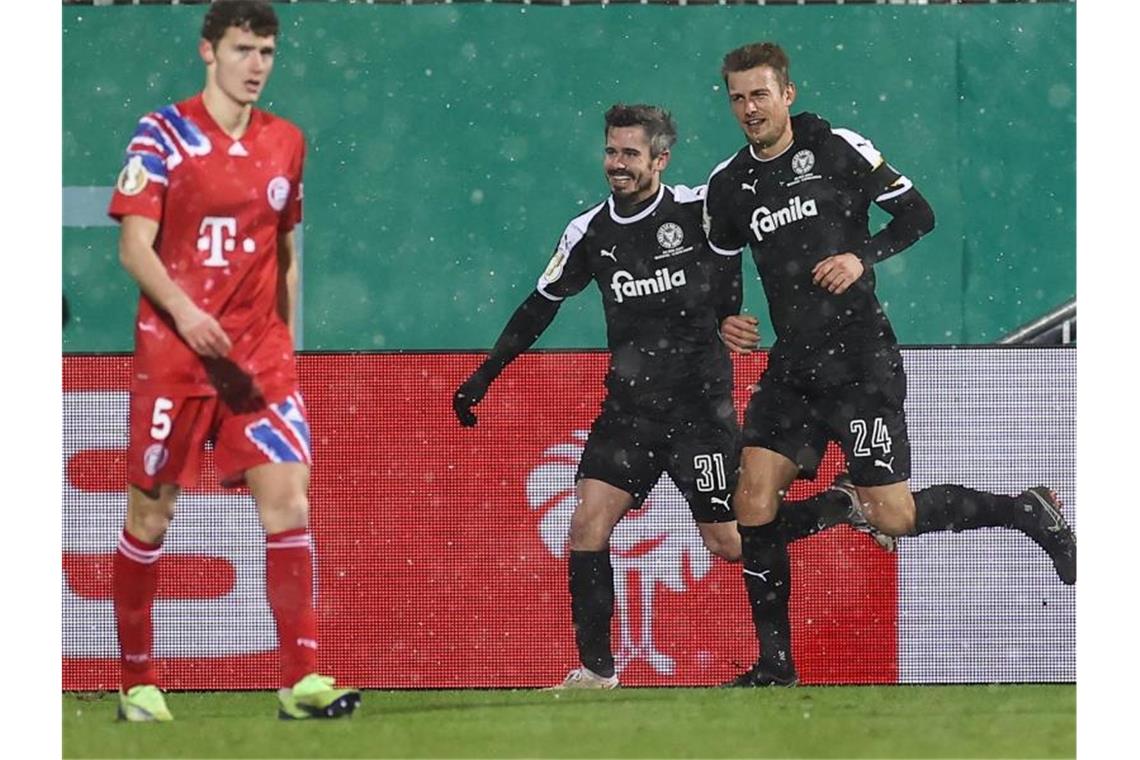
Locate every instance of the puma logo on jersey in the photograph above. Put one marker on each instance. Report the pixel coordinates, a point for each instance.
(750, 188)
(625, 285)
(721, 502)
(611, 253)
(889, 465)
(765, 221)
(762, 575)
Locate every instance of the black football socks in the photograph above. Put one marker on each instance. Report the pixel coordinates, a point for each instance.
(592, 608)
(957, 508)
(800, 519)
(768, 579)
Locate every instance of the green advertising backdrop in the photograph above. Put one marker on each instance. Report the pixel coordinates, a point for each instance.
(450, 145)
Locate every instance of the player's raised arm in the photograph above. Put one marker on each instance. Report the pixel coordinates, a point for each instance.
(529, 321)
(137, 255)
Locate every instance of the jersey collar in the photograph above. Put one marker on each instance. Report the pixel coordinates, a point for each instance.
(752, 150)
(196, 109)
(639, 216)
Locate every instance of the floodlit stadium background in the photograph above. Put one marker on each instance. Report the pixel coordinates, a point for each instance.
(449, 145)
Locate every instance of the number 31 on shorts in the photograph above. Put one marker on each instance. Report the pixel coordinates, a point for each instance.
(710, 472)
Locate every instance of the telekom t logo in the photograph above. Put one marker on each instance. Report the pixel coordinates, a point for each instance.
(219, 237)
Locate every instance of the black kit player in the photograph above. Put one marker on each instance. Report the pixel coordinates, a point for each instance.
(798, 194)
(668, 405)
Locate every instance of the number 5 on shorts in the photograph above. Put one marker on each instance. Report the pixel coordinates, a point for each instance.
(160, 419)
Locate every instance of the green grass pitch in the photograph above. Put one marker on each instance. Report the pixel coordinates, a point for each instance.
(859, 721)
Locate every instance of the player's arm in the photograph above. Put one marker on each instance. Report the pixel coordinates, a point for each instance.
(288, 276)
(137, 255)
(529, 321)
(911, 215)
(740, 332)
(567, 274)
(911, 218)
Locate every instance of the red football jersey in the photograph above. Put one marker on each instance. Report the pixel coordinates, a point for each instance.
(220, 204)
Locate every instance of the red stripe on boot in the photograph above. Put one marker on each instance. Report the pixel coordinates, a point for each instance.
(289, 589)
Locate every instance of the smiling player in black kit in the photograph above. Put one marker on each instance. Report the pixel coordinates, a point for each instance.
(798, 194)
(668, 405)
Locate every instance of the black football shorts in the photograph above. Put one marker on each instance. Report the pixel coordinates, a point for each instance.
(865, 417)
(701, 456)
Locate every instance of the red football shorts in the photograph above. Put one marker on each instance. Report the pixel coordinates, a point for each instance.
(168, 434)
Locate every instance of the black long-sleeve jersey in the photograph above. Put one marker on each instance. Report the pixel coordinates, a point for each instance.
(663, 291)
(798, 208)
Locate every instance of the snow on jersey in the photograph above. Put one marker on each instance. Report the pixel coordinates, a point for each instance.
(220, 204)
(657, 279)
(794, 210)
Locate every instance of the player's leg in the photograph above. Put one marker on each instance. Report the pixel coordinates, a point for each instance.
(281, 493)
(269, 449)
(599, 508)
(782, 439)
(134, 586)
(873, 431)
(166, 437)
(615, 473)
(764, 478)
(1036, 512)
(704, 464)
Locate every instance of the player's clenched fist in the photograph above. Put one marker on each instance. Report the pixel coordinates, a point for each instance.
(741, 333)
(467, 396)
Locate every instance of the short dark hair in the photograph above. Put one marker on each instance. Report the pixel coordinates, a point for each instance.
(756, 54)
(257, 16)
(656, 121)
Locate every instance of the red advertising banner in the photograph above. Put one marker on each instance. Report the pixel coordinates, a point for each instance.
(441, 551)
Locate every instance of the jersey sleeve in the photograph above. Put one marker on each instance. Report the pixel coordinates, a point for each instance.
(292, 214)
(867, 169)
(721, 230)
(568, 272)
(141, 186)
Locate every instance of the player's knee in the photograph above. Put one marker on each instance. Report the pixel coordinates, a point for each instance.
(894, 519)
(756, 507)
(726, 547)
(149, 518)
(588, 534)
(286, 513)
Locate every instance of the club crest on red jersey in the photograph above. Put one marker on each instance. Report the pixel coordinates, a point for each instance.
(278, 193)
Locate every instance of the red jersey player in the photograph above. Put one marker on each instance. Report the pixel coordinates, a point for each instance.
(208, 200)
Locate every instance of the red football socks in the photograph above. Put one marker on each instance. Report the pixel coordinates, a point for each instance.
(289, 589)
(133, 589)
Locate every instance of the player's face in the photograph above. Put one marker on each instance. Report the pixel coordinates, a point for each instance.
(633, 175)
(240, 63)
(761, 105)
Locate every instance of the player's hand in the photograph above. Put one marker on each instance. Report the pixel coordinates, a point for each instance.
(467, 396)
(836, 273)
(203, 333)
(741, 333)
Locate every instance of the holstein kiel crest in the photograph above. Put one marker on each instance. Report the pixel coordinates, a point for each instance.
(651, 547)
